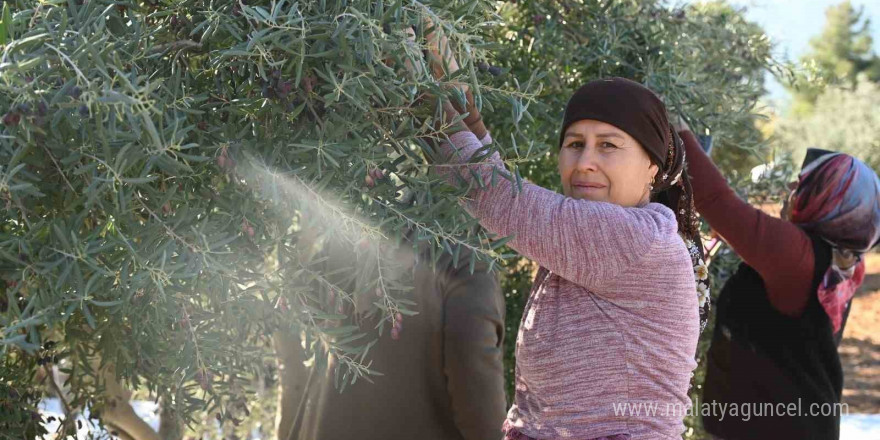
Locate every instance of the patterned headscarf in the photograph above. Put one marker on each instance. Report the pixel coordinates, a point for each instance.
(838, 198)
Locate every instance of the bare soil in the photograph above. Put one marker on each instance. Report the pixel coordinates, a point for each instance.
(860, 347)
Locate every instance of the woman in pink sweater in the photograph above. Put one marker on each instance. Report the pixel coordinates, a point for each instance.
(607, 342)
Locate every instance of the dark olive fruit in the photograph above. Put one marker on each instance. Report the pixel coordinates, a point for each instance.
(12, 119)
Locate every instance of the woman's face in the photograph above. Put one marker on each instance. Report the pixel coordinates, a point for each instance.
(601, 162)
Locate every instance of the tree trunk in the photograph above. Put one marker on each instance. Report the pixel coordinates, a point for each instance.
(170, 424)
(118, 414)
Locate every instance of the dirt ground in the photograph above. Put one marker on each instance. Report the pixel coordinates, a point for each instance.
(860, 348)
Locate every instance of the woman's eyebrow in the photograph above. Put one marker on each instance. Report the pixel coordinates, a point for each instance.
(609, 134)
(606, 135)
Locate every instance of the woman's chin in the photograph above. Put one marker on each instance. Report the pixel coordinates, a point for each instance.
(593, 195)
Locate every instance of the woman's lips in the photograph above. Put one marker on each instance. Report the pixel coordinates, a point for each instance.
(588, 186)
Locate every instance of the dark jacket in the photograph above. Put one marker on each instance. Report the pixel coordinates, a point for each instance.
(442, 380)
(760, 356)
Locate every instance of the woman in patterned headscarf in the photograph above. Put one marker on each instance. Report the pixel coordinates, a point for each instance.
(837, 198)
(781, 315)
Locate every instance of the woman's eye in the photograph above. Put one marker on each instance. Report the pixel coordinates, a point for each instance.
(576, 145)
(609, 145)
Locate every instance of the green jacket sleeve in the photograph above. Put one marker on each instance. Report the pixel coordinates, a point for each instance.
(473, 355)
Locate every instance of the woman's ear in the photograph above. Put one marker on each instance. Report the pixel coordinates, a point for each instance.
(652, 170)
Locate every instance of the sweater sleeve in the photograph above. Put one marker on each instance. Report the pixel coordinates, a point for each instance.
(777, 249)
(586, 242)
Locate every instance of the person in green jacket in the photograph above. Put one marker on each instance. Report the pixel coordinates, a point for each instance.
(442, 372)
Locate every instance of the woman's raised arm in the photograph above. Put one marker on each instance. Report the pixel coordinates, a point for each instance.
(586, 242)
(780, 251)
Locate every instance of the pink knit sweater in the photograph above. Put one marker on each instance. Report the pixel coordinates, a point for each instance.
(608, 337)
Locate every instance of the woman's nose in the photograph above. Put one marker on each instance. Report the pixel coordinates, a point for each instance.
(587, 160)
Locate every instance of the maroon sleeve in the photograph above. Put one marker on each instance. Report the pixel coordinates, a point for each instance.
(777, 249)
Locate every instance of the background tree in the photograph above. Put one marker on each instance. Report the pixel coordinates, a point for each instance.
(839, 114)
(838, 55)
(843, 119)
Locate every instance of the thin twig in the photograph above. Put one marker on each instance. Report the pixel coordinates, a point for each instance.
(168, 229)
(494, 255)
(60, 171)
(346, 219)
(72, 64)
(181, 44)
(68, 411)
(200, 364)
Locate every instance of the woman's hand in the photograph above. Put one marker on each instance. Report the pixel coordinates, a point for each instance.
(450, 113)
(679, 125)
(440, 56)
(443, 62)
